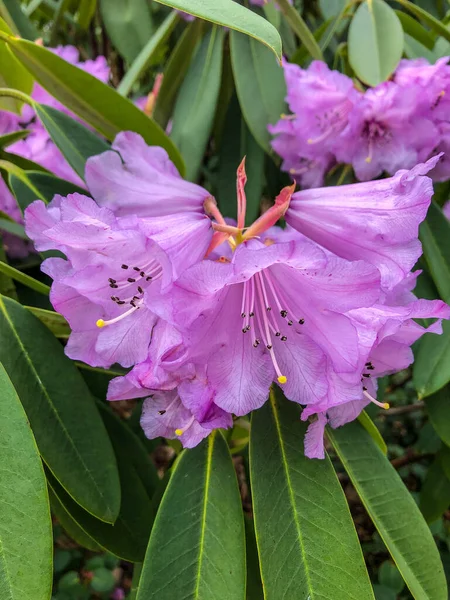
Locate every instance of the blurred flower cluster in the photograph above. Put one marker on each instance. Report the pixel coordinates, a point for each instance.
(38, 146)
(392, 126)
(209, 313)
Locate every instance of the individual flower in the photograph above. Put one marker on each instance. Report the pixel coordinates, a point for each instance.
(373, 221)
(181, 402)
(386, 133)
(321, 101)
(117, 263)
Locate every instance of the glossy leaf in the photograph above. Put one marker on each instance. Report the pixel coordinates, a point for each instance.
(197, 100)
(11, 11)
(375, 41)
(56, 399)
(176, 70)
(373, 431)
(438, 409)
(392, 510)
(260, 86)
(435, 492)
(29, 186)
(11, 138)
(129, 25)
(432, 357)
(92, 100)
(52, 320)
(197, 547)
(26, 539)
(86, 12)
(236, 17)
(413, 28)
(7, 287)
(254, 584)
(70, 525)
(145, 56)
(237, 142)
(12, 75)
(427, 18)
(25, 279)
(10, 226)
(298, 25)
(306, 538)
(128, 537)
(76, 142)
(434, 234)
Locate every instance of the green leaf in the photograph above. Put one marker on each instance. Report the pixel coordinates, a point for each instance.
(434, 234)
(62, 7)
(11, 12)
(145, 56)
(254, 584)
(298, 25)
(12, 138)
(392, 510)
(306, 538)
(128, 537)
(52, 320)
(197, 100)
(438, 409)
(92, 100)
(230, 14)
(76, 142)
(390, 576)
(237, 142)
(260, 86)
(56, 400)
(26, 539)
(373, 431)
(13, 74)
(432, 357)
(29, 186)
(425, 16)
(435, 492)
(129, 25)
(69, 525)
(175, 71)
(375, 41)
(86, 12)
(25, 279)
(413, 28)
(10, 226)
(7, 287)
(197, 547)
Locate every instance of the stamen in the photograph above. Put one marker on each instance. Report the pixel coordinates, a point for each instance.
(179, 432)
(384, 405)
(101, 323)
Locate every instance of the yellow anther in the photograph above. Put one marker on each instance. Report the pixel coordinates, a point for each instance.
(100, 323)
(386, 405)
(179, 432)
(282, 379)
(369, 159)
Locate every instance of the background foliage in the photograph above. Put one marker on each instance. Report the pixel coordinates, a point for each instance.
(244, 515)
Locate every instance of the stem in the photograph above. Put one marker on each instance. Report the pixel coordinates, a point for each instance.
(403, 410)
(17, 94)
(301, 29)
(34, 284)
(343, 175)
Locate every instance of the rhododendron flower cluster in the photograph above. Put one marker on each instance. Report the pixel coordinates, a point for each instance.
(209, 313)
(38, 146)
(392, 126)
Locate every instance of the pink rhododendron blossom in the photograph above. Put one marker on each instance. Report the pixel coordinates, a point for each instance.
(391, 126)
(209, 313)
